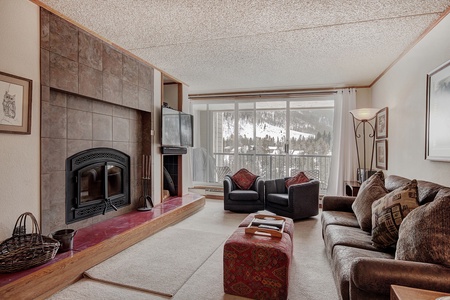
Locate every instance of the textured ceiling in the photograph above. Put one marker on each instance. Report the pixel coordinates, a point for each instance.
(238, 45)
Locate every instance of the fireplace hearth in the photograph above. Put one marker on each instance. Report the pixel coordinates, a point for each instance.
(97, 181)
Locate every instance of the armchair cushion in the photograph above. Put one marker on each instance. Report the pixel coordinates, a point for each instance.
(244, 179)
(243, 195)
(424, 233)
(299, 178)
(280, 199)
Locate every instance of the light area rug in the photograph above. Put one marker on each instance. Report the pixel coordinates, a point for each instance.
(207, 282)
(86, 289)
(213, 218)
(310, 275)
(160, 264)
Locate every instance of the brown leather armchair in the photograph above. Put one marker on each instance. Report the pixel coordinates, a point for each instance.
(299, 201)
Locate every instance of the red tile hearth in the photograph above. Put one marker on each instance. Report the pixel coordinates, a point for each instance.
(95, 243)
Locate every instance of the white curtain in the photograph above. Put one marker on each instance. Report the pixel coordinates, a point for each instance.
(343, 161)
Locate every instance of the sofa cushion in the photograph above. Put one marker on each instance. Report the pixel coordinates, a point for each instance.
(351, 237)
(389, 212)
(343, 218)
(299, 178)
(244, 179)
(243, 195)
(427, 190)
(343, 258)
(424, 235)
(393, 182)
(372, 189)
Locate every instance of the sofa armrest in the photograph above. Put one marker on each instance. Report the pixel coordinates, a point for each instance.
(259, 188)
(374, 276)
(227, 186)
(339, 203)
(304, 197)
(304, 190)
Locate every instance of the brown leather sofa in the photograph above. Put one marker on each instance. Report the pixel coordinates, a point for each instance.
(362, 271)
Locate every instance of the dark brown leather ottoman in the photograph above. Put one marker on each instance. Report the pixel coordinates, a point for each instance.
(257, 266)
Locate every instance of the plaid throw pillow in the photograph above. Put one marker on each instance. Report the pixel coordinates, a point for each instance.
(244, 179)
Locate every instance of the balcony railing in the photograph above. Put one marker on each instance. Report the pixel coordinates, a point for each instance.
(272, 166)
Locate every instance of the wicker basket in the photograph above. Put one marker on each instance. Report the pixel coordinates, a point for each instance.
(26, 250)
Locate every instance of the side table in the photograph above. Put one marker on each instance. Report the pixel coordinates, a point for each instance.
(399, 292)
(351, 188)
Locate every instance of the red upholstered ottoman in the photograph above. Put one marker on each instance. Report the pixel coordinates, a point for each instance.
(256, 266)
(288, 226)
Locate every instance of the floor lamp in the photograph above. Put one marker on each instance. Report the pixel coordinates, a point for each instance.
(361, 118)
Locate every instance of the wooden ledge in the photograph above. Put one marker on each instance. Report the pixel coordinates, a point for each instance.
(93, 245)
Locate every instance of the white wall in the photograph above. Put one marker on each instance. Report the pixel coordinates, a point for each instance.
(403, 90)
(19, 154)
(363, 98)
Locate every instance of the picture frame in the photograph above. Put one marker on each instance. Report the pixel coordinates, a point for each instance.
(381, 123)
(437, 139)
(15, 98)
(382, 154)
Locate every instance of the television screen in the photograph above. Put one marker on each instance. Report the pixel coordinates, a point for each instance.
(176, 128)
(170, 127)
(186, 128)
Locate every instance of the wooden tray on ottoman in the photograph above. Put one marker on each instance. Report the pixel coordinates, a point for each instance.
(288, 222)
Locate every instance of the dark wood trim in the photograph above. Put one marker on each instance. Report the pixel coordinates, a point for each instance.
(412, 45)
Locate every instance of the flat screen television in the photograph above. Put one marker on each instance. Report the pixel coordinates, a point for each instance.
(176, 128)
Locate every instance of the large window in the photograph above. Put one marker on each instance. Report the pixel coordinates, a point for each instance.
(273, 138)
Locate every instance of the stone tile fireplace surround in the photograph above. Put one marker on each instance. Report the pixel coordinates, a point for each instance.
(92, 95)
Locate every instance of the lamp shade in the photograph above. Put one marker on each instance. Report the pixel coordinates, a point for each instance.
(364, 114)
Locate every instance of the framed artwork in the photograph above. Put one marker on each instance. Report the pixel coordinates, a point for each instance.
(15, 97)
(382, 154)
(382, 123)
(437, 144)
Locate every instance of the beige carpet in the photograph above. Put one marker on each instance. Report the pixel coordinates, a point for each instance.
(160, 264)
(310, 273)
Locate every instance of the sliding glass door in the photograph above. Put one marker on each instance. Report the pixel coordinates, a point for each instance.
(273, 138)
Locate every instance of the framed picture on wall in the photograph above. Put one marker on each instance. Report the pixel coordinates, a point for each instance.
(15, 98)
(382, 124)
(437, 114)
(382, 154)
